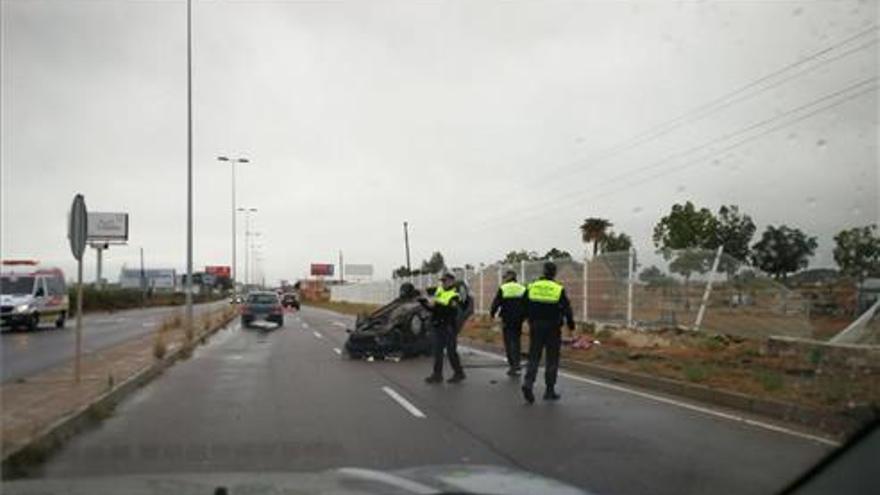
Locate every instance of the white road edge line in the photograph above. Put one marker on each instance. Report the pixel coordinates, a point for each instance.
(317, 335)
(337, 350)
(685, 405)
(403, 402)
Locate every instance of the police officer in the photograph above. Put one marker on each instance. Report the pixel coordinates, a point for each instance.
(510, 302)
(547, 306)
(445, 309)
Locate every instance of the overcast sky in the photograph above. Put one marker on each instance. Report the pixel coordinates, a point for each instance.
(485, 124)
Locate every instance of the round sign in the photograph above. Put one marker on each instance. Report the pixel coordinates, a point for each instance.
(77, 229)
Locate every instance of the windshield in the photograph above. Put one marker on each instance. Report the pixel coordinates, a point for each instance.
(262, 299)
(16, 286)
(632, 246)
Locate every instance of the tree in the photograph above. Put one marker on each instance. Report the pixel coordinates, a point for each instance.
(400, 272)
(857, 252)
(615, 242)
(556, 254)
(654, 276)
(734, 231)
(685, 227)
(515, 257)
(593, 230)
(783, 250)
(435, 264)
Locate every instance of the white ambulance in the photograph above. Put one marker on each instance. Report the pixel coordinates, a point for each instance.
(31, 295)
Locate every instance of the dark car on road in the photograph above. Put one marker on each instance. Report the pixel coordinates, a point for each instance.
(262, 306)
(290, 301)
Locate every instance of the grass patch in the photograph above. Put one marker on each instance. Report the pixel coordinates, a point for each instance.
(695, 372)
(770, 380)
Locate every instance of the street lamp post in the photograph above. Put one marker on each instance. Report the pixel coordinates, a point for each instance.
(232, 162)
(247, 232)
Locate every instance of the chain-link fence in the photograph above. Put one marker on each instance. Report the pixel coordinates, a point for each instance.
(697, 289)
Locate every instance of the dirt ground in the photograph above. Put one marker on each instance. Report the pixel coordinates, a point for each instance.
(731, 363)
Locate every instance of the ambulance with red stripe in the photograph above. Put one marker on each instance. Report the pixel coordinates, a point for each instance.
(32, 295)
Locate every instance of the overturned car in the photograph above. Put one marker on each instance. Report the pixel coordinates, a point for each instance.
(400, 328)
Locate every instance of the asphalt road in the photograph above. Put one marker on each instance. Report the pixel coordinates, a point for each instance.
(24, 353)
(285, 400)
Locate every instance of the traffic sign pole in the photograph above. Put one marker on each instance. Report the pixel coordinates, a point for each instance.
(77, 232)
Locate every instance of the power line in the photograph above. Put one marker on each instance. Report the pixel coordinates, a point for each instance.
(578, 195)
(720, 103)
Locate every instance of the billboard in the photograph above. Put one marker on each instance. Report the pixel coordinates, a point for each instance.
(219, 271)
(107, 227)
(358, 270)
(322, 270)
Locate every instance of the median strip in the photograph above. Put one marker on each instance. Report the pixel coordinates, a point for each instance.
(403, 402)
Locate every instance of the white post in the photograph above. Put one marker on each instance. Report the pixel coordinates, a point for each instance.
(708, 290)
(522, 271)
(585, 288)
(482, 309)
(629, 288)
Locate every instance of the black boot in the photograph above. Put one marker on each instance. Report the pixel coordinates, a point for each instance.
(551, 394)
(434, 379)
(528, 395)
(513, 371)
(457, 377)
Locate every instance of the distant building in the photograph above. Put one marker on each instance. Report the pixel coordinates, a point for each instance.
(869, 293)
(151, 278)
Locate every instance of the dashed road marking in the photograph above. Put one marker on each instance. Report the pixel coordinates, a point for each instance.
(337, 350)
(317, 335)
(339, 324)
(403, 402)
(685, 405)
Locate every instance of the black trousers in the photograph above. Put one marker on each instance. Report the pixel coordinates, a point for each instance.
(512, 330)
(544, 335)
(446, 340)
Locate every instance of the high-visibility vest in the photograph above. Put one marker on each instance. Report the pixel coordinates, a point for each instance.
(443, 297)
(512, 290)
(545, 291)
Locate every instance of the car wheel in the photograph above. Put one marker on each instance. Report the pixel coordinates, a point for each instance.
(34, 322)
(245, 323)
(62, 318)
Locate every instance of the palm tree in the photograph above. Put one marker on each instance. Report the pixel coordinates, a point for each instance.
(594, 230)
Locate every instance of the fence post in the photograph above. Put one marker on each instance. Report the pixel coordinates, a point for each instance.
(585, 288)
(522, 271)
(482, 272)
(629, 287)
(708, 289)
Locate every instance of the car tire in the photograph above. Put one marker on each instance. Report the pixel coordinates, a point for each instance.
(62, 319)
(33, 323)
(245, 323)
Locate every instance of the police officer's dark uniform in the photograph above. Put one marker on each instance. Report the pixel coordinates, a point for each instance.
(444, 320)
(547, 306)
(511, 303)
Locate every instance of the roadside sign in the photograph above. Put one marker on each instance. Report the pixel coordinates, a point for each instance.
(77, 229)
(359, 270)
(322, 269)
(104, 227)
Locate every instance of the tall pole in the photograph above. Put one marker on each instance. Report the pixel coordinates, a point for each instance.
(247, 247)
(234, 230)
(189, 176)
(79, 311)
(98, 282)
(406, 242)
(341, 279)
(143, 280)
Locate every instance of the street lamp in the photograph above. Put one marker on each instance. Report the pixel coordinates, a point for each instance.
(252, 248)
(232, 162)
(247, 232)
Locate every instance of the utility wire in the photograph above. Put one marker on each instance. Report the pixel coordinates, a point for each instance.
(565, 200)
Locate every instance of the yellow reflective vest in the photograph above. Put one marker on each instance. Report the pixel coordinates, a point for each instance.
(512, 290)
(545, 291)
(444, 297)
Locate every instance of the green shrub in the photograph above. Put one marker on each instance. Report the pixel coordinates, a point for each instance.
(695, 372)
(769, 380)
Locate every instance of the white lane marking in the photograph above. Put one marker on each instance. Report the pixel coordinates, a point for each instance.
(387, 479)
(305, 325)
(403, 402)
(685, 405)
(337, 350)
(338, 324)
(317, 335)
